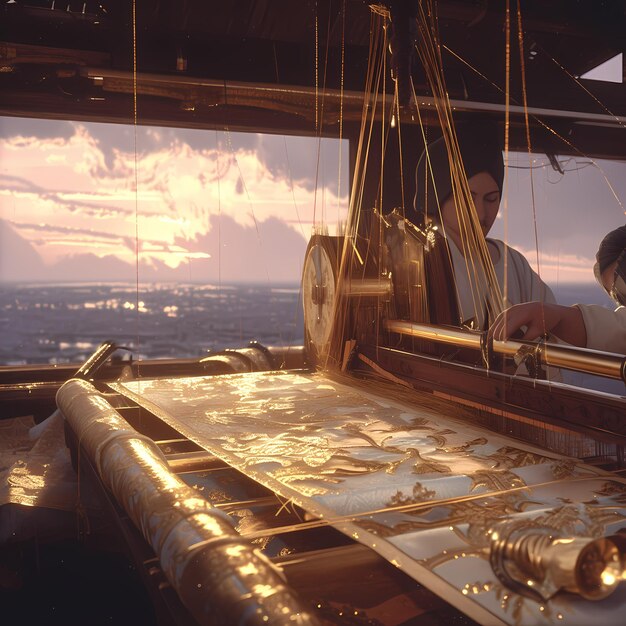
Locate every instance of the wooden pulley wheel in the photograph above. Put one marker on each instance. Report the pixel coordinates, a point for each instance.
(319, 293)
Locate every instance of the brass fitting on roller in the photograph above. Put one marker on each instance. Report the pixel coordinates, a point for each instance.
(538, 562)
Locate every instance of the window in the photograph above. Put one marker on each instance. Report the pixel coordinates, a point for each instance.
(173, 241)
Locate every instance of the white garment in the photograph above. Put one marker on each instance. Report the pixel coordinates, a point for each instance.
(606, 329)
(523, 284)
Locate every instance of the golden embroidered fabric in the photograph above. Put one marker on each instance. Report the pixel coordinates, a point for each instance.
(419, 487)
(35, 468)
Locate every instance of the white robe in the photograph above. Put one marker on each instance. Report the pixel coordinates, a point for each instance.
(606, 329)
(523, 284)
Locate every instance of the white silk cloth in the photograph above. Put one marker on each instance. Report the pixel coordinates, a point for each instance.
(353, 458)
(35, 467)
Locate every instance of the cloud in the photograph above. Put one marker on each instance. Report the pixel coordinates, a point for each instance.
(12, 127)
(76, 232)
(91, 268)
(305, 161)
(272, 252)
(20, 186)
(18, 259)
(113, 139)
(91, 238)
(571, 212)
(555, 267)
(166, 194)
(229, 252)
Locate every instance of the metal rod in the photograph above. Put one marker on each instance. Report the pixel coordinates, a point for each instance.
(578, 359)
(165, 442)
(368, 287)
(440, 334)
(247, 504)
(566, 357)
(354, 98)
(186, 462)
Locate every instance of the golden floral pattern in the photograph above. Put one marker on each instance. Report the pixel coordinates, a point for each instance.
(420, 487)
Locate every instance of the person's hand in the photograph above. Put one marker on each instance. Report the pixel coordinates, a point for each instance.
(538, 319)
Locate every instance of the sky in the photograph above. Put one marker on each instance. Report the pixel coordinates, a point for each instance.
(77, 199)
(560, 219)
(201, 205)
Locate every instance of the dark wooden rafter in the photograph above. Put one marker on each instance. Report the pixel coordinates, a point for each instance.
(247, 64)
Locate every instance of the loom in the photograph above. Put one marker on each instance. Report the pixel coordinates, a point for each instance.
(320, 472)
(396, 469)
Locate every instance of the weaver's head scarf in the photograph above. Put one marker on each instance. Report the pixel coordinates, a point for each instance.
(481, 151)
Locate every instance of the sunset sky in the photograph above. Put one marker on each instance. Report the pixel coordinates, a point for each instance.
(76, 197)
(69, 189)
